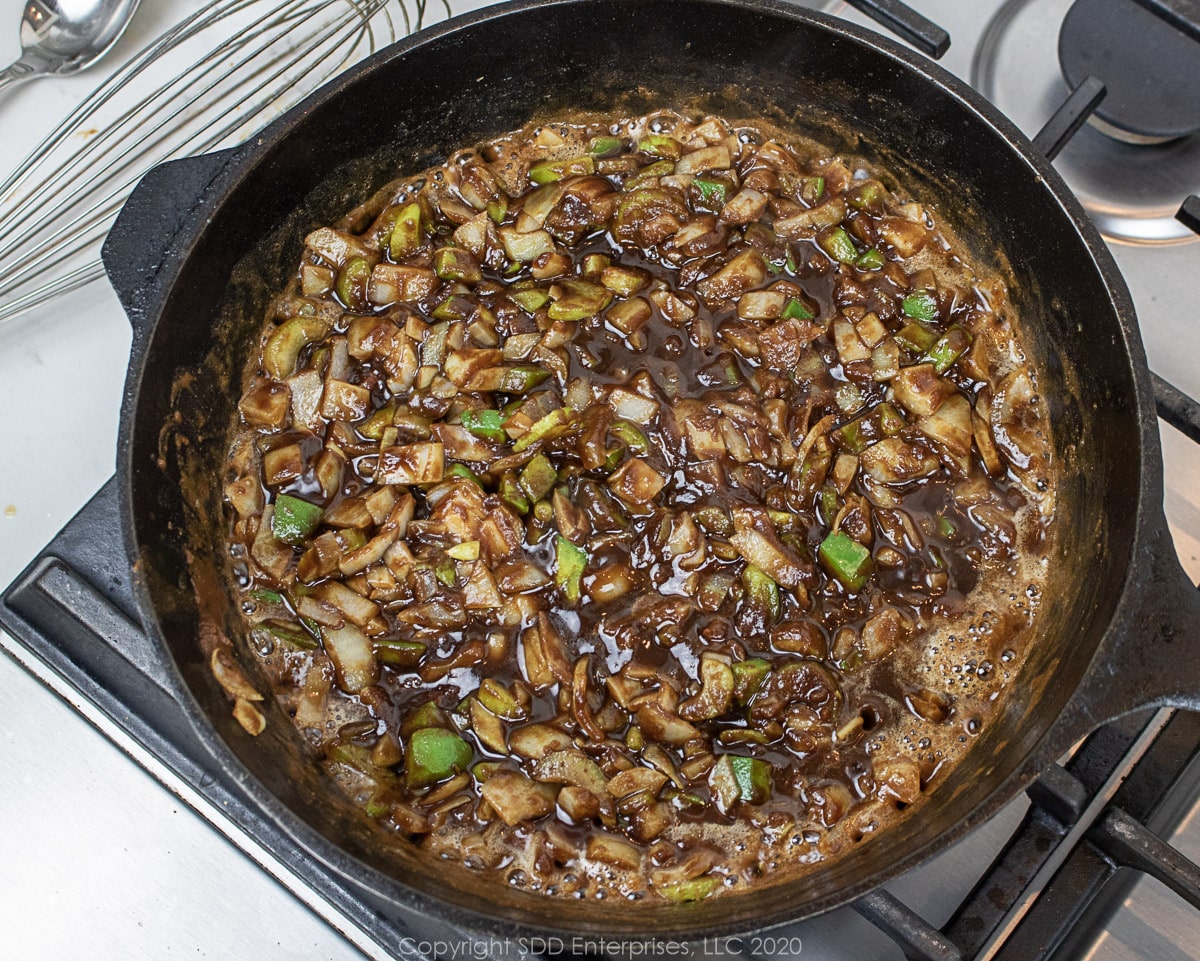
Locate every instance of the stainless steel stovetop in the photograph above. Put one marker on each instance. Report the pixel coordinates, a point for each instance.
(98, 858)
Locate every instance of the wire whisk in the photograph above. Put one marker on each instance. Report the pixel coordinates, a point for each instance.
(211, 81)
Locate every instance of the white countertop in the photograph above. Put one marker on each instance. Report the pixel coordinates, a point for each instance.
(99, 859)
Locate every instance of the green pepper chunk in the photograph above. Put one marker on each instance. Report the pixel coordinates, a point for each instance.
(695, 889)
(499, 700)
(433, 755)
(839, 246)
(945, 353)
(538, 477)
(658, 145)
(713, 193)
(737, 778)
(569, 564)
(796, 309)
(604, 146)
(846, 560)
(427, 715)
(550, 171)
(812, 189)
(649, 174)
(916, 337)
(762, 590)
(294, 519)
(487, 424)
(263, 596)
(748, 676)
(373, 427)
(406, 232)
(867, 197)
(920, 305)
(946, 527)
(869, 260)
(445, 571)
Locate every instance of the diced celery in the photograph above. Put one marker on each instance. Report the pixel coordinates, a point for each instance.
(538, 477)
(549, 171)
(406, 232)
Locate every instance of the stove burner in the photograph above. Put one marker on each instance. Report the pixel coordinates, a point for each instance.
(1131, 192)
(1150, 69)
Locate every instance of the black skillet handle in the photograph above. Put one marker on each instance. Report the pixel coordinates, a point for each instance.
(142, 239)
(1151, 655)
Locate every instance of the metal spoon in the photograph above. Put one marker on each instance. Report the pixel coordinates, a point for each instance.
(65, 36)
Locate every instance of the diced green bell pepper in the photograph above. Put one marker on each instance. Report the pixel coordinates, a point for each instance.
(869, 260)
(945, 353)
(433, 755)
(713, 193)
(554, 424)
(796, 309)
(523, 378)
(294, 519)
(453, 263)
(736, 778)
(569, 564)
(658, 145)
(604, 146)
(839, 246)
(399, 653)
(487, 424)
(511, 493)
(631, 436)
(920, 305)
(352, 283)
(846, 560)
(463, 471)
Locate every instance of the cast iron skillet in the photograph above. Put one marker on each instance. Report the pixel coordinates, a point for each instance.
(1119, 625)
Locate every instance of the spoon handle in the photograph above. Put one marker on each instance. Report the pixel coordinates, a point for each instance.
(15, 73)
